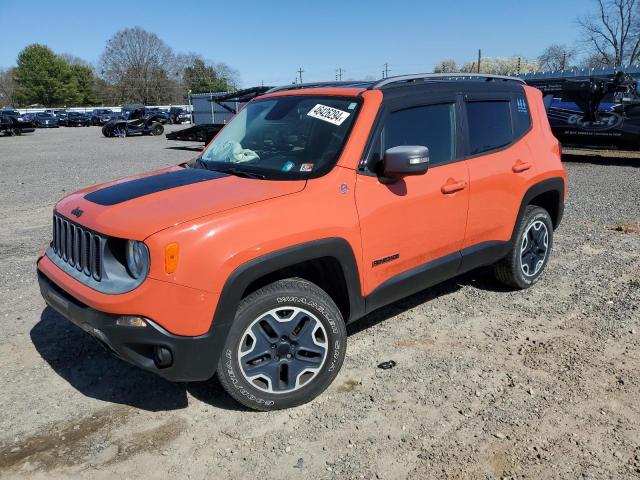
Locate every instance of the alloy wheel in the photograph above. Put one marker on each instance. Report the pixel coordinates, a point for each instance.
(534, 248)
(283, 350)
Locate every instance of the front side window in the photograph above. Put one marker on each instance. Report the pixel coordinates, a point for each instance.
(489, 125)
(286, 137)
(431, 126)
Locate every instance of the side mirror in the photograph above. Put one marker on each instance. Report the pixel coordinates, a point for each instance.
(405, 160)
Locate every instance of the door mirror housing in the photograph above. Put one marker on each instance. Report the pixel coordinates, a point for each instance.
(405, 160)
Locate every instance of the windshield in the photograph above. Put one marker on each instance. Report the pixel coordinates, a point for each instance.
(287, 137)
(44, 115)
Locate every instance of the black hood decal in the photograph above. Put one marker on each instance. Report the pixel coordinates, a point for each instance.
(140, 187)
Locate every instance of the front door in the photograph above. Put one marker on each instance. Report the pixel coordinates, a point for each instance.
(417, 220)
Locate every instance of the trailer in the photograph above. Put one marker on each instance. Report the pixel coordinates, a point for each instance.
(592, 107)
(212, 111)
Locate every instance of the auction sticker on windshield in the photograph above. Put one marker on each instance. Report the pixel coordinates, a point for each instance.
(328, 114)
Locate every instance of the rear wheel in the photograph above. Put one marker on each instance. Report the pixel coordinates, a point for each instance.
(17, 132)
(106, 131)
(157, 129)
(529, 255)
(285, 347)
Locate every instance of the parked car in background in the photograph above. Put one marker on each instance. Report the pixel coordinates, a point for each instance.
(60, 114)
(100, 116)
(12, 123)
(162, 116)
(77, 119)
(45, 120)
(135, 119)
(179, 115)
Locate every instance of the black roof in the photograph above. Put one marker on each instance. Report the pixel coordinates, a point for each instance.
(462, 81)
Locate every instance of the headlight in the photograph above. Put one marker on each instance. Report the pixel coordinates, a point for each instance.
(137, 259)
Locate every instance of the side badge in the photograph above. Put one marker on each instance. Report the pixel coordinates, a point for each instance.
(344, 188)
(77, 212)
(384, 260)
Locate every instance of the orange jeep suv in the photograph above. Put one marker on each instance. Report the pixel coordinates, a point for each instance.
(315, 205)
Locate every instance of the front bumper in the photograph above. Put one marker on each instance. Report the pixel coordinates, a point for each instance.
(189, 359)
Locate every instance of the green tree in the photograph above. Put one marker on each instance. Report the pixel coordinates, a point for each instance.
(80, 86)
(202, 78)
(41, 77)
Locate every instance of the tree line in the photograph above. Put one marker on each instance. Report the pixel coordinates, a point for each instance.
(609, 37)
(136, 66)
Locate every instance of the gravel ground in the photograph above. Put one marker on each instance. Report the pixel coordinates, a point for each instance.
(488, 384)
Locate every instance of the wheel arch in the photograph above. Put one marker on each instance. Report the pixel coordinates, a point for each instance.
(548, 194)
(330, 263)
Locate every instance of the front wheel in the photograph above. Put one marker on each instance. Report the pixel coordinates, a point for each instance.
(530, 251)
(157, 129)
(285, 347)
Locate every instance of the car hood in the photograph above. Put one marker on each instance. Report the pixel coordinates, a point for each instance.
(138, 206)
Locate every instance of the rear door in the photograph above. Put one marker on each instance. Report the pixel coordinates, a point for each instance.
(500, 164)
(418, 219)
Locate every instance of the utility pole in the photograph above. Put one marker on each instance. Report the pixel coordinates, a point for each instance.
(479, 59)
(339, 72)
(385, 72)
(519, 65)
(300, 72)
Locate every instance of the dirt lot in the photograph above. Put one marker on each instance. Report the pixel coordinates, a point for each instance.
(489, 383)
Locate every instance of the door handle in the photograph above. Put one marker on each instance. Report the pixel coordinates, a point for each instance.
(521, 166)
(452, 186)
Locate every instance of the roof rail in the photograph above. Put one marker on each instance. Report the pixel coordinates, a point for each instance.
(299, 86)
(442, 76)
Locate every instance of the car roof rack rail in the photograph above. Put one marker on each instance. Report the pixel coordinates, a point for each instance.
(441, 76)
(299, 86)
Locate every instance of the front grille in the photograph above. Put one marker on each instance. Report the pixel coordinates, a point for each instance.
(78, 247)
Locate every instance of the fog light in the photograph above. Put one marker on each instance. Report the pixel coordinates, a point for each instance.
(131, 321)
(162, 357)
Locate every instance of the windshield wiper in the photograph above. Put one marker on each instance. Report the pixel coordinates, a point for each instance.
(241, 173)
(231, 170)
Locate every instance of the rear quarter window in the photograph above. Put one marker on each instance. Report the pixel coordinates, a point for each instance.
(522, 117)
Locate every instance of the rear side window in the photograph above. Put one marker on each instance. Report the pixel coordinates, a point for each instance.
(432, 126)
(489, 125)
(522, 118)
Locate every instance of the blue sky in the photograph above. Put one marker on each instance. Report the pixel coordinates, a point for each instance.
(269, 41)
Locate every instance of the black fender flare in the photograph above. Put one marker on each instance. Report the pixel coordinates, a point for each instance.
(245, 274)
(555, 184)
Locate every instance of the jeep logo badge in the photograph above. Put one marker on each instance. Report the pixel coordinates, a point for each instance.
(77, 212)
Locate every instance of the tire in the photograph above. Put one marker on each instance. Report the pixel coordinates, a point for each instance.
(17, 132)
(105, 131)
(157, 129)
(302, 355)
(530, 251)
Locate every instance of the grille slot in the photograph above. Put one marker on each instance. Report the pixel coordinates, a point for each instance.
(78, 247)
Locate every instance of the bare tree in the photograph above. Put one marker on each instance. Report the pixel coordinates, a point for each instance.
(447, 65)
(502, 66)
(140, 65)
(612, 33)
(7, 88)
(557, 57)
